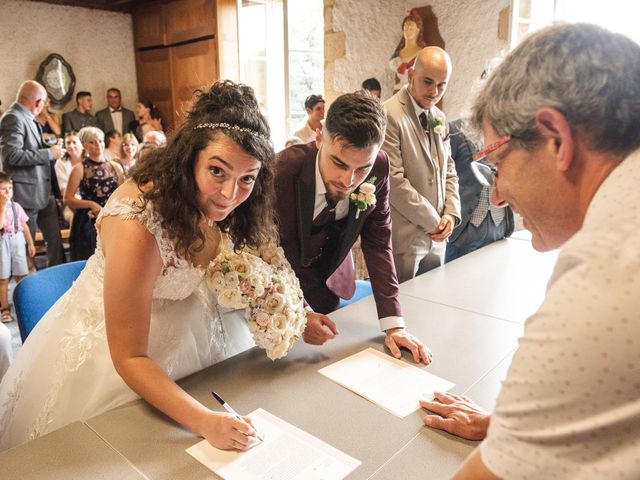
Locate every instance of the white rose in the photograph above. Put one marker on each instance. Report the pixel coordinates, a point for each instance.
(278, 323)
(240, 265)
(371, 199)
(279, 350)
(232, 298)
(273, 302)
(439, 130)
(367, 188)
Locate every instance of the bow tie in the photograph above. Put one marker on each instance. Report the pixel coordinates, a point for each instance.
(116, 110)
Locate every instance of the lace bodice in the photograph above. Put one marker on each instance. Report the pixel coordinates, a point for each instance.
(179, 278)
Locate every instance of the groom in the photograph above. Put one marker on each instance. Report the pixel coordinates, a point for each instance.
(319, 222)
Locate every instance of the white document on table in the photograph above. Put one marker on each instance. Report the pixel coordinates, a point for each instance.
(287, 453)
(388, 382)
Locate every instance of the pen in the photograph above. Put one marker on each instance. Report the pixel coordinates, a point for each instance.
(230, 409)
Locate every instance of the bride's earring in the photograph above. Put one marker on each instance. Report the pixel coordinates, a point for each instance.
(210, 223)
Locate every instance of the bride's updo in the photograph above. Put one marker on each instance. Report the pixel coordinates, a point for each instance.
(226, 108)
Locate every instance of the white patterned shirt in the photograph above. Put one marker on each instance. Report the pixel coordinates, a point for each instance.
(570, 406)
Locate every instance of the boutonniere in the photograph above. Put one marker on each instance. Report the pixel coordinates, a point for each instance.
(364, 196)
(436, 124)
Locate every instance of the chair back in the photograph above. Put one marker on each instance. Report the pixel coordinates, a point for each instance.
(363, 289)
(35, 295)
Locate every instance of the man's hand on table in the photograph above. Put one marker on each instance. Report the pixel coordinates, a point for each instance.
(319, 329)
(399, 338)
(458, 415)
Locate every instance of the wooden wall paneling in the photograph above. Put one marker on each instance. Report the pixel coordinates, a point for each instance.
(154, 82)
(148, 25)
(193, 66)
(189, 19)
(228, 40)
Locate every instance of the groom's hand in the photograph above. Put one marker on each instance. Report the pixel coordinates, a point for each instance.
(319, 329)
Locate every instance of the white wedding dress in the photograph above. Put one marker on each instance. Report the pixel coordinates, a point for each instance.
(64, 371)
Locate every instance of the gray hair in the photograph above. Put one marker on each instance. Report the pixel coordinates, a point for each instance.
(89, 134)
(589, 74)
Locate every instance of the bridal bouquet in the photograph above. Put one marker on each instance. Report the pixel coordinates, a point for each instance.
(263, 282)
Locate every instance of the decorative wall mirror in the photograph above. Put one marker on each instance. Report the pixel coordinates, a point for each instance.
(57, 77)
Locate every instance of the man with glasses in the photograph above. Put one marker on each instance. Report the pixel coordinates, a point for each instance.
(425, 205)
(24, 155)
(561, 118)
(314, 105)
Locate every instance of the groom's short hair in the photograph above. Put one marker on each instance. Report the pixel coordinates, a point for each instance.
(357, 119)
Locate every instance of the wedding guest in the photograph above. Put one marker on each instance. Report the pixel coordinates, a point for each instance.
(14, 233)
(563, 138)
(113, 145)
(94, 180)
(140, 316)
(155, 137)
(128, 153)
(149, 118)
(115, 116)
(314, 106)
(80, 117)
(49, 122)
(372, 85)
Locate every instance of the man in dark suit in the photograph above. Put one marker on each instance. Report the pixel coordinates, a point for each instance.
(80, 117)
(329, 192)
(482, 223)
(29, 161)
(115, 116)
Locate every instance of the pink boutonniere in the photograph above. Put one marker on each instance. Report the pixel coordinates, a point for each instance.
(364, 196)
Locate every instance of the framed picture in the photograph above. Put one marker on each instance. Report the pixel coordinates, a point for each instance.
(57, 77)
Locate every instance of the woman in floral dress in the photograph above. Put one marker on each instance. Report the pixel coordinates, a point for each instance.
(95, 179)
(141, 315)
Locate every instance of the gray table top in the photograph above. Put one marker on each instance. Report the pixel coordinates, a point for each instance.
(470, 313)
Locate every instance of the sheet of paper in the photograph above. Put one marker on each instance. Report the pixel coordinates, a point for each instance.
(287, 453)
(388, 382)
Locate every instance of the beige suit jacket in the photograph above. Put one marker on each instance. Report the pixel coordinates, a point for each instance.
(424, 182)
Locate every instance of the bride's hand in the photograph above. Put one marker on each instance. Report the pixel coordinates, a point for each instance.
(228, 432)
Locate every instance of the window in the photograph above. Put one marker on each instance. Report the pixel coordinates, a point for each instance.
(281, 57)
(530, 15)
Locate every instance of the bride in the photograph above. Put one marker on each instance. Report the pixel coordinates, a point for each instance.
(140, 315)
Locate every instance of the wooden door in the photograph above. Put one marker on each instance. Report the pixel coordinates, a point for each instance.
(193, 66)
(154, 81)
(189, 19)
(148, 25)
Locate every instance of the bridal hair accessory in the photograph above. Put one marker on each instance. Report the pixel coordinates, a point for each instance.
(228, 126)
(364, 196)
(263, 282)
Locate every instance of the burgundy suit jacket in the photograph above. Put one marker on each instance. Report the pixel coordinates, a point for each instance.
(295, 190)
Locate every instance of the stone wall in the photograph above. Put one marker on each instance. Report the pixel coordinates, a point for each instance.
(360, 36)
(97, 44)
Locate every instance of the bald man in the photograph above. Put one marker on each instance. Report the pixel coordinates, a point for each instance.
(24, 155)
(425, 204)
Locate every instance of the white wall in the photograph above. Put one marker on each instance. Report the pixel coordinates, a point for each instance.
(372, 30)
(97, 44)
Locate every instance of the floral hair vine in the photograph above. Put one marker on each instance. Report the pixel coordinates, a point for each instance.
(228, 126)
(364, 196)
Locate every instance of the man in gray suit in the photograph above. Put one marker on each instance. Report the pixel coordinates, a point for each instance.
(425, 204)
(115, 116)
(28, 160)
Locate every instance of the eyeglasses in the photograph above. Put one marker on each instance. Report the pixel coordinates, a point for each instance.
(486, 173)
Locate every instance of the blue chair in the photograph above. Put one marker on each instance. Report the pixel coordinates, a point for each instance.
(363, 289)
(34, 295)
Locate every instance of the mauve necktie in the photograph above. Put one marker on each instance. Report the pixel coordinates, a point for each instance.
(327, 215)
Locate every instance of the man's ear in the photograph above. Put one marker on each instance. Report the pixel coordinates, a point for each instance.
(557, 136)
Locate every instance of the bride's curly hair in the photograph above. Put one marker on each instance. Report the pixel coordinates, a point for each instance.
(170, 170)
